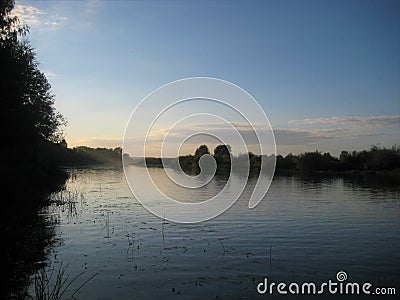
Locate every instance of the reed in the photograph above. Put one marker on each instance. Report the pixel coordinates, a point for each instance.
(48, 287)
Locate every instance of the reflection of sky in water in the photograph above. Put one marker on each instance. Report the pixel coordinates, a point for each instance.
(305, 229)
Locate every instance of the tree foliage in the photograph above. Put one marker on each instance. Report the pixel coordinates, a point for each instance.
(375, 160)
(30, 125)
(201, 150)
(26, 97)
(30, 120)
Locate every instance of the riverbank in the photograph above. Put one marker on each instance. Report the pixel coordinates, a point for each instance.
(375, 161)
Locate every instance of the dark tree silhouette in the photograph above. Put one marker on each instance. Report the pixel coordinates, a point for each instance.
(200, 151)
(376, 160)
(30, 121)
(26, 95)
(222, 151)
(30, 126)
(203, 149)
(222, 155)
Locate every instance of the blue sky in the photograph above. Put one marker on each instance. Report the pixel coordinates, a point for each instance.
(327, 73)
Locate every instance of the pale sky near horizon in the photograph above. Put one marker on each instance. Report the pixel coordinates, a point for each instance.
(327, 73)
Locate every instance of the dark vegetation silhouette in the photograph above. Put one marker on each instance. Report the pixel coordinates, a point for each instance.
(33, 154)
(31, 131)
(200, 151)
(376, 160)
(31, 124)
(87, 156)
(222, 155)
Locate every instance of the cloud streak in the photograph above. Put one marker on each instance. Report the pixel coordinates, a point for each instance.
(284, 136)
(294, 136)
(49, 74)
(34, 16)
(373, 121)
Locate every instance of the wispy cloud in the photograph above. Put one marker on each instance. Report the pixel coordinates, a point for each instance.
(284, 136)
(374, 121)
(223, 130)
(34, 16)
(49, 74)
(294, 136)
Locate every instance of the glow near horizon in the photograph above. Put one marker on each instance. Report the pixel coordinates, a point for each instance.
(327, 74)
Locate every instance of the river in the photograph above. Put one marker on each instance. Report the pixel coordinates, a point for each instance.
(307, 229)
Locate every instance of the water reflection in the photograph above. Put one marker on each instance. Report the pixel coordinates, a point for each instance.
(373, 183)
(307, 228)
(29, 240)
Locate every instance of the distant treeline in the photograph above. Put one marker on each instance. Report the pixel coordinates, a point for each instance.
(376, 160)
(82, 155)
(190, 163)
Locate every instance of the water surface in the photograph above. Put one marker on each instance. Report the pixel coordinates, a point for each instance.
(306, 229)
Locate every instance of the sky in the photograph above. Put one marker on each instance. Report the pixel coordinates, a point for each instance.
(326, 73)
